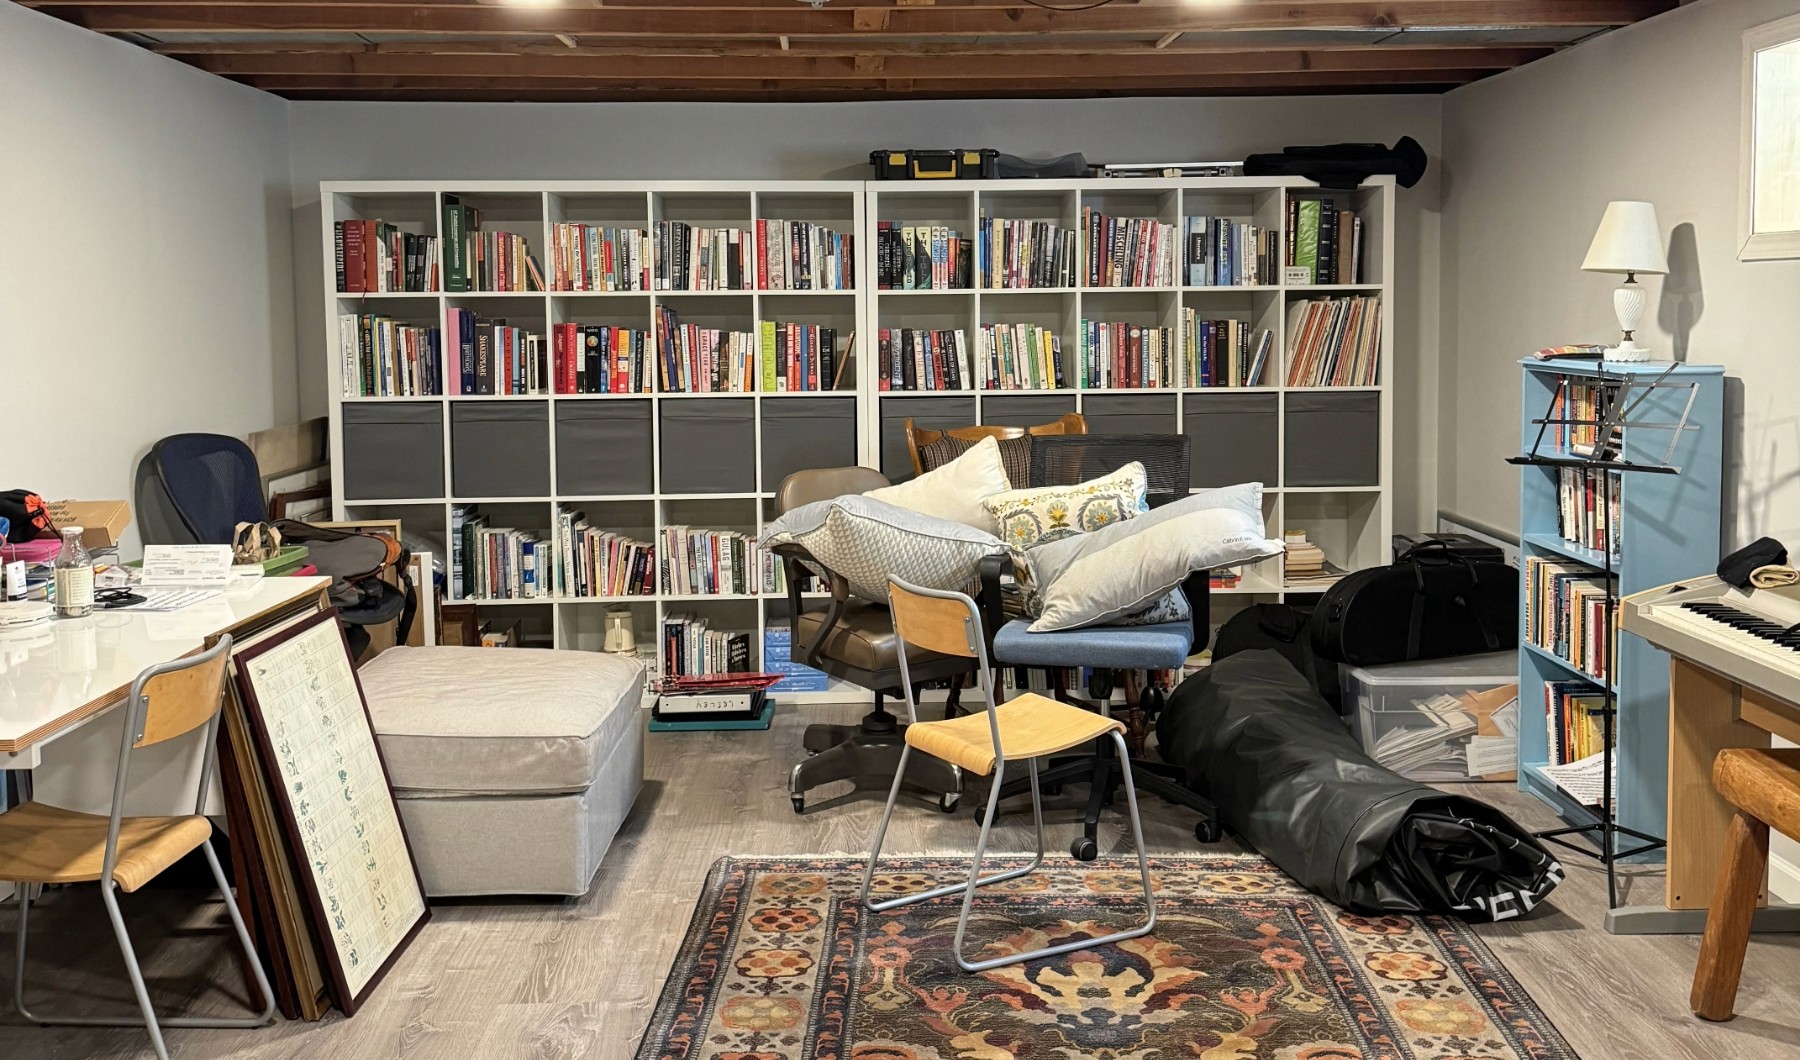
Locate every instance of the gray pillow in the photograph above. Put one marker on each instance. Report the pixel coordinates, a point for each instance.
(1098, 578)
(867, 540)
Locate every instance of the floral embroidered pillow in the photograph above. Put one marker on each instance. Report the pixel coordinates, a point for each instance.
(1028, 518)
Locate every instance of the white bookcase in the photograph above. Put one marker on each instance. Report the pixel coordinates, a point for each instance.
(715, 460)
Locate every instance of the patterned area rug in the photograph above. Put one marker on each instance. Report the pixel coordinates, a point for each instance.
(782, 963)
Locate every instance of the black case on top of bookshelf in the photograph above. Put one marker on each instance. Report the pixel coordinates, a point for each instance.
(709, 445)
(1333, 439)
(500, 448)
(393, 450)
(1235, 438)
(806, 433)
(604, 447)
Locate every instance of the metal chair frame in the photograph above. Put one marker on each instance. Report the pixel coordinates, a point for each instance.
(977, 646)
(137, 710)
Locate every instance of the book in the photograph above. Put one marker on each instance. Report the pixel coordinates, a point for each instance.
(1022, 254)
(700, 562)
(598, 258)
(600, 359)
(799, 357)
(589, 562)
(1123, 356)
(690, 258)
(1018, 357)
(1587, 508)
(922, 257)
(1128, 251)
(385, 357)
(372, 256)
(497, 358)
(1324, 239)
(803, 256)
(1306, 239)
(698, 360)
(691, 648)
(1223, 353)
(1221, 252)
(498, 563)
(924, 360)
(1334, 342)
(1568, 614)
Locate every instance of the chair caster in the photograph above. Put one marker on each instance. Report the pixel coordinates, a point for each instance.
(1209, 831)
(1084, 849)
(799, 802)
(1053, 789)
(947, 802)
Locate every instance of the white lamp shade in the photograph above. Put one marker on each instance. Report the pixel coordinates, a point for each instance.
(1628, 241)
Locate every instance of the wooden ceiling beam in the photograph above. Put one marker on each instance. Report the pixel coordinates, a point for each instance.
(1092, 69)
(690, 96)
(796, 21)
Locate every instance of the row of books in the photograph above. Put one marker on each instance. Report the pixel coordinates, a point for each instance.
(1579, 408)
(803, 256)
(477, 260)
(597, 258)
(1226, 253)
(595, 562)
(600, 359)
(695, 360)
(1334, 342)
(799, 358)
(494, 357)
(374, 256)
(495, 562)
(1574, 721)
(774, 577)
(1128, 251)
(699, 562)
(1125, 356)
(922, 258)
(1324, 239)
(1566, 614)
(1018, 255)
(383, 357)
(913, 359)
(1223, 352)
(1587, 508)
(1018, 357)
(690, 648)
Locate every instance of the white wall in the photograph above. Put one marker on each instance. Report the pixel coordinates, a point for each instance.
(146, 286)
(1649, 112)
(650, 141)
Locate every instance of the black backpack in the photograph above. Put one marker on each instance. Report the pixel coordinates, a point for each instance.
(1428, 604)
(355, 563)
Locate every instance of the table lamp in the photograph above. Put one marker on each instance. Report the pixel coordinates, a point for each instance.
(1628, 242)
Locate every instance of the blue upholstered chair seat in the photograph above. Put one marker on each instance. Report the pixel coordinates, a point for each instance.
(1160, 647)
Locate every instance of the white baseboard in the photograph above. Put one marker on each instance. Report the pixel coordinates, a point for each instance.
(1784, 879)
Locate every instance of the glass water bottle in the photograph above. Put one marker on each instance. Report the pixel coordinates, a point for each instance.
(74, 576)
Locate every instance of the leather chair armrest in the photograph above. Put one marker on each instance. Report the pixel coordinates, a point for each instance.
(794, 559)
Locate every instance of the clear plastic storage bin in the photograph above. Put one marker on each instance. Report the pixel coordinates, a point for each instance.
(1439, 719)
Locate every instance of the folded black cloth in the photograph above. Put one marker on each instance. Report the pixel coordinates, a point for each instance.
(1736, 568)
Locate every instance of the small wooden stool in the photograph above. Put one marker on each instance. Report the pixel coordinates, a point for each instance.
(1765, 788)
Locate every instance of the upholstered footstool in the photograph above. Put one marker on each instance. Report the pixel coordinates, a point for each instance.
(513, 768)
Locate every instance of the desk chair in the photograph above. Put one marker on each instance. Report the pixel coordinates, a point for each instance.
(42, 844)
(1026, 729)
(932, 447)
(1115, 654)
(854, 640)
(1765, 788)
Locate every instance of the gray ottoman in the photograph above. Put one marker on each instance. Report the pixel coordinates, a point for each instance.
(513, 768)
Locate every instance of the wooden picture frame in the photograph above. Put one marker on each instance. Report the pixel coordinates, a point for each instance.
(293, 689)
(1770, 152)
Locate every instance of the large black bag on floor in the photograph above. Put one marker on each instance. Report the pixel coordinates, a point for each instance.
(1292, 782)
(1428, 604)
(1286, 629)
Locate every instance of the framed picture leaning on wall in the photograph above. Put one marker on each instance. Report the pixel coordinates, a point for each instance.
(1769, 202)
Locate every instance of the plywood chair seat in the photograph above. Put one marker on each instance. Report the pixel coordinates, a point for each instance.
(1031, 726)
(46, 844)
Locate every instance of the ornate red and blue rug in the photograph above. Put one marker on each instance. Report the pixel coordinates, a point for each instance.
(781, 962)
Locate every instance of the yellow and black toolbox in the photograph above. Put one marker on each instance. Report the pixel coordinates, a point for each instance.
(961, 163)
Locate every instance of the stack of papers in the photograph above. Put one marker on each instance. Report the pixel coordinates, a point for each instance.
(1434, 751)
(1582, 780)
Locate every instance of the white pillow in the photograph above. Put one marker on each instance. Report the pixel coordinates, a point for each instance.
(956, 490)
(1093, 579)
(867, 540)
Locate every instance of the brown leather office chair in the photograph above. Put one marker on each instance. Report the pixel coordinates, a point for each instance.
(853, 640)
(922, 443)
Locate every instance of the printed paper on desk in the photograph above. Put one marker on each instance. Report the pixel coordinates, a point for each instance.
(196, 566)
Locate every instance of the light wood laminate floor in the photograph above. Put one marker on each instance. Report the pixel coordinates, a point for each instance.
(542, 979)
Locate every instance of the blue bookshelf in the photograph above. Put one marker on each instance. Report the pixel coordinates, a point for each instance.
(1669, 530)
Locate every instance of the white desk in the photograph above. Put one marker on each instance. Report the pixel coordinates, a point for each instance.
(57, 678)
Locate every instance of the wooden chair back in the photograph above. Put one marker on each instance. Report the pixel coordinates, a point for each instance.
(917, 438)
(184, 697)
(946, 625)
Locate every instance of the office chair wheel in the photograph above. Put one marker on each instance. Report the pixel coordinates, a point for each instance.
(947, 802)
(1209, 831)
(799, 802)
(1084, 849)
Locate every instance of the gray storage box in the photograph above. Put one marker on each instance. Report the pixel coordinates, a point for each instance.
(393, 451)
(800, 433)
(500, 448)
(604, 448)
(1130, 413)
(1333, 439)
(936, 412)
(709, 445)
(1235, 438)
(1025, 410)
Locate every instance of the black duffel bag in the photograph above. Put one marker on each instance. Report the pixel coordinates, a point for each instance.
(1428, 604)
(1288, 779)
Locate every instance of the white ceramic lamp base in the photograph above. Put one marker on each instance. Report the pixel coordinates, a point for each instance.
(1629, 302)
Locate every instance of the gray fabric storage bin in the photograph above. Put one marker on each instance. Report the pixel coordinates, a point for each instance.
(1130, 413)
(1235, 438)
(393, 450)
(925, 412)
(709, 445)
(800, 433)
(1333, 439)
(1026, 410)
(603, 448)
(500, 448)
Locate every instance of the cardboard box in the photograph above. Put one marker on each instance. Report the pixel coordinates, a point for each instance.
(102, 522)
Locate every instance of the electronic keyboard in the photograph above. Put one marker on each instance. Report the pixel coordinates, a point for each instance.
(1752, 637)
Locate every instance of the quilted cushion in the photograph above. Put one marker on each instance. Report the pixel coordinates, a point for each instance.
(488, 720)
(1028, 518)
(866, 540)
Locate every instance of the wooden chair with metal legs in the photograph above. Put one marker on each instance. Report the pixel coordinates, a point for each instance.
(42, 845)
(1026, 729)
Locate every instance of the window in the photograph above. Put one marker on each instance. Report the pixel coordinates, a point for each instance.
(1769, 209)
